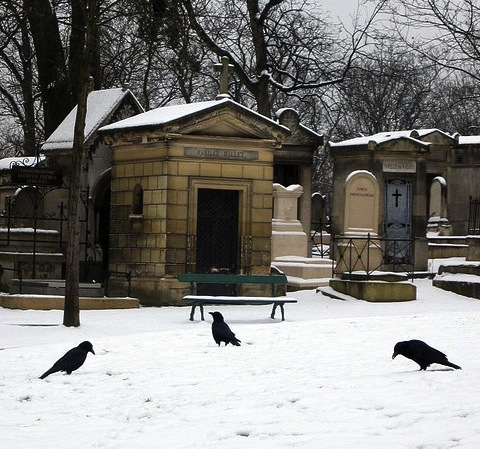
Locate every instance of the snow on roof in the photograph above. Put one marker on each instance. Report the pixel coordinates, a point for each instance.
(382, 137)
(469, 140)
(100, 105)
(169, 114)
(6, 163)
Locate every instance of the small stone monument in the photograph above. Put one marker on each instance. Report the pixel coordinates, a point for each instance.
(438, 221)
(290, 242)
(361, 218)
(361, 204)
(319, 212)
(288, 236)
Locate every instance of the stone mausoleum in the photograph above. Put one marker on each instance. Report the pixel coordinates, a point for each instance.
(380, 192)
(405, 185)
(192, 189)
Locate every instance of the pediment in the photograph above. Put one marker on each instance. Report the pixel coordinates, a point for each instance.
(222, 118)
(228, 123)
(438, 137)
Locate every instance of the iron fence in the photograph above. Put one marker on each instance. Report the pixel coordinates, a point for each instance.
(32, 230)
(370, 254)
(474, 216)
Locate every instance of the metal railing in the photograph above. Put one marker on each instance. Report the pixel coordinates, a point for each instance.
(474, 216)
(369, 254)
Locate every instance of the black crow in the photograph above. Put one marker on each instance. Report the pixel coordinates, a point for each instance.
(421, 353)
(221, 331)
(72, 360)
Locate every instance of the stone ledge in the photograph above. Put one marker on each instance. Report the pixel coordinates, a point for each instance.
(51, 302)
(461, 287)
(386, 276)
(376, 291)
(296, 283)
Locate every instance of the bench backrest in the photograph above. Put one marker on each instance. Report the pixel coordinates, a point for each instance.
(213, 278)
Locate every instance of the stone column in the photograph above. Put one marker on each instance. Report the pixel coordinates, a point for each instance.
(288, 236)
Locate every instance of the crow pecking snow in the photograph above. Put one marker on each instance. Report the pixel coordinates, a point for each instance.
(421, 353)
(72, 360)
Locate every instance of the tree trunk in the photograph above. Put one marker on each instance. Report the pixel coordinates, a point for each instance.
(261, 92)
(52, 73)
(29, 131)
(71, 315)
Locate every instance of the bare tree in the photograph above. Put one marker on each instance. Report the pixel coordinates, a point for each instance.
(444, 31)
(455, 105)
(71, 315)
(388, 89)
(17, 93)
(53, 76)
(278, 45)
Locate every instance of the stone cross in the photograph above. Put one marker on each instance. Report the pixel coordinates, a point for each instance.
(224, 68)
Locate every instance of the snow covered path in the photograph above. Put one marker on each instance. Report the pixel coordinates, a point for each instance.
(324, 378)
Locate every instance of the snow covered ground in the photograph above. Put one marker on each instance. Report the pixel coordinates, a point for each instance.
(324, 378)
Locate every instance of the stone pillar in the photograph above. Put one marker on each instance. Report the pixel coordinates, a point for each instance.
(288, 236)
(438, 221)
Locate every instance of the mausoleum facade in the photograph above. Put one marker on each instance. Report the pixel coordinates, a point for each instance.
(191, 191)
(403, 185)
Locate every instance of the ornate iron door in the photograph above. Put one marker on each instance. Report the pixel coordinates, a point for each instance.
(398, 220)
(217, 236)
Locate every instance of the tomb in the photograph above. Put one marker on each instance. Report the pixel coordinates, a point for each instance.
(380, 193)
(182, 188)
(206, 171)
(290, 249)
(378, 219)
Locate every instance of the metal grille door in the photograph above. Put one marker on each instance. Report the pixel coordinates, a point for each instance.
(398, 220)
(217, 234)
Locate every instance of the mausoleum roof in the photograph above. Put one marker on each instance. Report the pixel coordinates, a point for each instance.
(101, 105)
(379, 138)
(468, 140)
(416, 135)
(167, 115)
(29, 161)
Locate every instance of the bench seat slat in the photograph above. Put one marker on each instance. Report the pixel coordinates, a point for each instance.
(238, 299)
(201, 300)
(216, 278)
(213, 278)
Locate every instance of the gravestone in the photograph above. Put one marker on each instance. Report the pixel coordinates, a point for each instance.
(361, 204)
(360, 248)
(319, 212)
(438, 221)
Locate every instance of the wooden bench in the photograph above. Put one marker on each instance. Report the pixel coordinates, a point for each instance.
(213, 278)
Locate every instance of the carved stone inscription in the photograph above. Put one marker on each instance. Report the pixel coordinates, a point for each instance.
(361, 203)
(215, 153)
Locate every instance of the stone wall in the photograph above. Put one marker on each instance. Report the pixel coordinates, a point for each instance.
(159, 243)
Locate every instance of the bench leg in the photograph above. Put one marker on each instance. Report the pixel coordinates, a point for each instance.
(274, 308)
(275, 305)
(192, 311)
(201, 312)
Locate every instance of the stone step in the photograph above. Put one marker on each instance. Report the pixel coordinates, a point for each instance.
(376, 291)
(53, 287)
(460, 283)
(53, 302)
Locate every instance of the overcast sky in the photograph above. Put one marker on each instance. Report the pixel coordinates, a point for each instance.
(344, 9)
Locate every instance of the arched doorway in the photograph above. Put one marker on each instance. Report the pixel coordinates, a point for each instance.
(101, 197)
